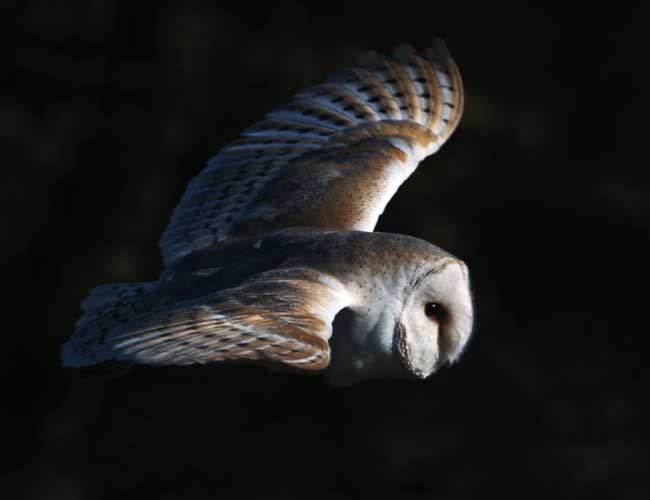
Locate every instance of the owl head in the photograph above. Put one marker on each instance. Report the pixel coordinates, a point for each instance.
(435, 320)
(419, 319)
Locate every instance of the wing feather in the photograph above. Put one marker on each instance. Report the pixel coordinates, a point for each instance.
(283, 316)
(331, 158)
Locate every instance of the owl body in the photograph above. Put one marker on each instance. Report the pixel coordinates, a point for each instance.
(271, 258)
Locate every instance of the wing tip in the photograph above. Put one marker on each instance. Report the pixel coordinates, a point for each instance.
(447, 81)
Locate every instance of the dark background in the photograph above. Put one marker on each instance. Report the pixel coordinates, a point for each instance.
(108, 109)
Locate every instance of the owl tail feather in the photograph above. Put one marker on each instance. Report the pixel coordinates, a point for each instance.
(106, 308)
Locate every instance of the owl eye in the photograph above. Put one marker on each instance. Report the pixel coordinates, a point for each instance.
(432, 310)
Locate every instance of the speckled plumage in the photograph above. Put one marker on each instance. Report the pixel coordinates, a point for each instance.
(270, 255)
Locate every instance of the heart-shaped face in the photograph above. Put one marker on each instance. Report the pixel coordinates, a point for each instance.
(436, 319)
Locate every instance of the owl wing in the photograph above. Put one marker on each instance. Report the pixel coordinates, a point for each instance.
(283, 316)
(332, 158)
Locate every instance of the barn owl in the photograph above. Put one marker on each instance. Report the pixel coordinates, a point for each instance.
(270, 257)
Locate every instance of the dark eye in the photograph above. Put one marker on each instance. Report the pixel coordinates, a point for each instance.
(432, 310)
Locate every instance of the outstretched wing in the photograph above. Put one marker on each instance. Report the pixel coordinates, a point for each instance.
(332, 158)
(282, 316)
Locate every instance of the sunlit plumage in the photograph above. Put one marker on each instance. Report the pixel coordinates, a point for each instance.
(270, 255)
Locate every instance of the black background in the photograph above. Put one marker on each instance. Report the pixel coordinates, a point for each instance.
(108, 109)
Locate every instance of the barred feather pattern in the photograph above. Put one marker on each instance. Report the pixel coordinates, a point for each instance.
(279, 316)
(405, 106)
